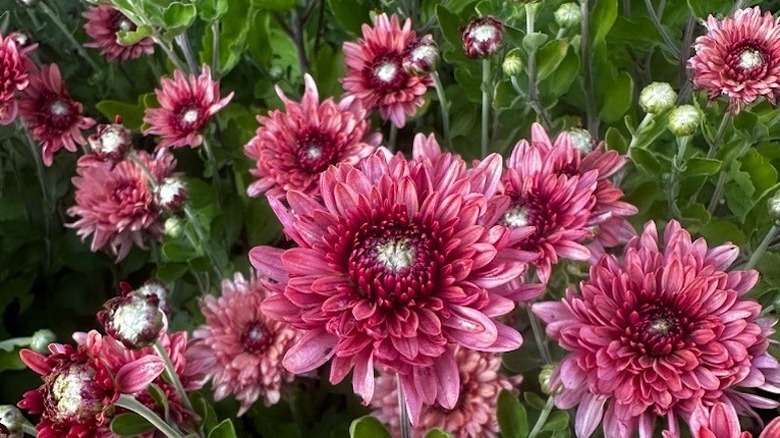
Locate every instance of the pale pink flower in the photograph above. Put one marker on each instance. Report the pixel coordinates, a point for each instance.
(13, 77)
(739, 57)
(53, 118)
(662, 333)
(116, 205)
(293, 147)
(474, 415)
(375, 74)
(394, 267)
(186, 105)
(246, 345)
(103, 24)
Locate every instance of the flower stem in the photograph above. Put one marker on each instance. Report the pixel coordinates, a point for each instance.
(485, 105)
(716, 142)
(29, 429)
(661, 29)
(542, 418)
(759, 252)
(589, 86)
(211, 162)
(215, 48)
(68, 35)
(533, 82)
(172, 56)
(42, 181)
(678, 166)
(403, 413)
(184, 45)
(392, 137)
(172, 374)
(444, 106)
(539, 336)
(133, 405)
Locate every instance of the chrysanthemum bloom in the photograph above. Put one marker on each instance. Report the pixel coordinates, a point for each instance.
(134, 318)
(482, 37)
(186, 105)
(80, 387)
(292, 147)
(111, 142)
(739, 57)
(375, 74)
(13, 77)
(563, 194)
(247, 346)
(53, 118)
(474, 415)
(103, 24)
(116, 205)
(393, 268)
(661, 334)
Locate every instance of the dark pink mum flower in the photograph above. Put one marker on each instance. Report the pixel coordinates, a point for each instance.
(186, 105)
(375, 73)
(661, 334)
(103, 23)
(81, 385)
(116, 205)
(394, 267)
(13, 77)
(739, 57)
(473, 416)
(718, 422)
(292, 148)
(247, 346)
(53, 118)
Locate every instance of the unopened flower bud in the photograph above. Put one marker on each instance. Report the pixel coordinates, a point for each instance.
(581, 140)
(545, 375)
(513, 64)
(482, 37)
(22, 39)
(421, 57)
(12, 420)
(133, 319)
(568, 15)
(157, 289)
(110, 142)
(170, 194)
(276, 72)
(41, 340)
(173, 227)
(657, 98)
(684, 120)
(774, 206)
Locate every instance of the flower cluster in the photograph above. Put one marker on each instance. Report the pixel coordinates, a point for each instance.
(13, 76)
(103, 25)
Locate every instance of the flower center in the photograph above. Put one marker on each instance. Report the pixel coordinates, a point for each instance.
(660, 326)
(111, 140)
(516, 217)
(396, 255)
(656, 330)
(125, 24)
(750, 59)
(386, 73)
(59, 108)
(484, 33)
(190, 116)
(71, 396)
(315, 152)
(255, 337)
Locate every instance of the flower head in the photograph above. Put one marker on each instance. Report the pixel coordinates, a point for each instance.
(473, 416)
(684, 120)
(246, 345)
(394, 267)
(186, 105)
(53, 118)
(133, 318)
(657, 97)
(662, 333)
(13, 77)
(568, 15)
(376, 78)
(482, 37)
(110, 142)
(422, 56)
(293, 147)
(115, 204)
(739, 57)
(103, 24)
(170, 194)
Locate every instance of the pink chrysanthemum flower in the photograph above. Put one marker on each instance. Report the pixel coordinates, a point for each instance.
(393, 268)
(53, 118)
(292, 148)
(739, 57)
(660, 334)
(375, 74)
(474, 415)
(103, 23)
(80, 386)
(186, 105)
(116, 205)
(246, 345)
(13, 77)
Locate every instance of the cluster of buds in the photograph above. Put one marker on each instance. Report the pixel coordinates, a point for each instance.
(111, 142)
(421, 57)
(135, 318)
(482, 37)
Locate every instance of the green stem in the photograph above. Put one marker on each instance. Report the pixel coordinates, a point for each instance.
(716, 142)
(29, 429)
(444, 105)
(392, 137)
(661, 29)
(485, 105)
(539, 336)
(542, 418)
(211, 162)
(403, 414)
(184, 45)
(68, 35)
(204, 245)
(172, 374)
(717, 195)
(42, 181)
(133, 405)
(215, 48)
(533, 83)
(678, 166)
(756, 256)
(589, 85)
(172, 56)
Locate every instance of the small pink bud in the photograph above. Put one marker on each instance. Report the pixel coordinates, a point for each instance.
(110, 142)
(421, 57)
(482, 37)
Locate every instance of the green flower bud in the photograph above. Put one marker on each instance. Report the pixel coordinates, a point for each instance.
(581, 140)
(544, 379)
(684, 120)
(657, 98)
(12, 420)
(173, 227)
(41, 340)
(513, 64)
(568, 15)
(774, 206)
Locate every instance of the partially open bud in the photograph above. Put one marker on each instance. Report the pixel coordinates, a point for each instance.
(421, 57)
(157, 289)
(568, 15)
(774, 206)
(41, 340)
(482, 37)
(11, 422)
(173, 227)
(545, 375)
(170, 194)
(684, 120)
(513, 64)
(111, 142)
(657, 97)
(134, 319)
(581, 140)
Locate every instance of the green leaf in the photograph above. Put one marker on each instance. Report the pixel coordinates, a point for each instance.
(739, 191)
(224, 429)
(132, 114)
(617, 98)
(615, 140)
(703, 8)
(512, 418)
(603, 17)
(210, 10)
(179, 16)
(533, 41)
(368, 427)
(160, 398)
(438, 433)
(561, 79)
(176, 252)
(701, 167)
(130, 37)
(558, 420)
(204, 409)
(647, 161)
(351, 14)
(274, 5)
(550, 57)
(130, 424)
(534, 401)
